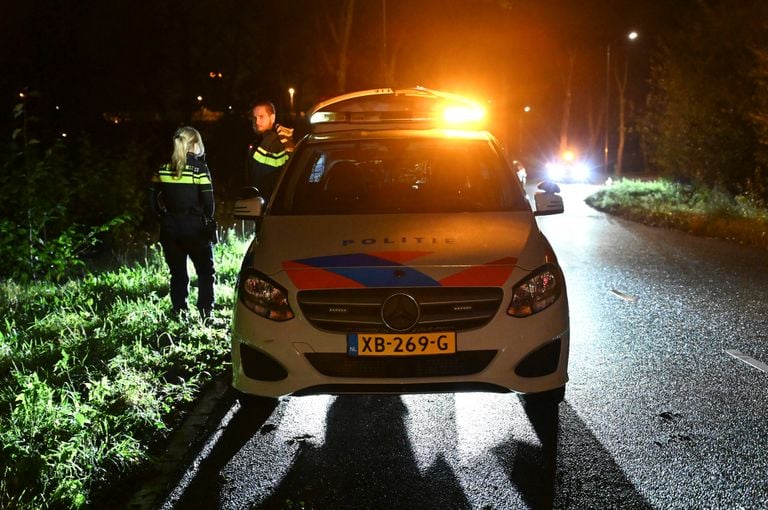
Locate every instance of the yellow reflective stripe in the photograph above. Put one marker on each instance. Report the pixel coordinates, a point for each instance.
(270, 158)
(268, 153)
(188, 176)
(171, 179)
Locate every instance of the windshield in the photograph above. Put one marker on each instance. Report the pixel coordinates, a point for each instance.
(391, 175)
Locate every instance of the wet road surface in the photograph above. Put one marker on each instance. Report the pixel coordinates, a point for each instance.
(665, 408)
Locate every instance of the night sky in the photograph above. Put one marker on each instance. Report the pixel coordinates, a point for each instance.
(153, 59)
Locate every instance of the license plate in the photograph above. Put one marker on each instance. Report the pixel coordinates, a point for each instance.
(407, 344)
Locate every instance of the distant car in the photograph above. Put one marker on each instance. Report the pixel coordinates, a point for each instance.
(568, 167)
(400, 254)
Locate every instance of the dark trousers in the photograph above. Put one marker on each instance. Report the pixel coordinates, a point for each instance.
(200, 252)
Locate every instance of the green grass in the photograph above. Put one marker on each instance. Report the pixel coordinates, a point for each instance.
(699, 211)
(94, 374)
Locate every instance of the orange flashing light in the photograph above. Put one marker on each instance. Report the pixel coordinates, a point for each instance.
(461, 114)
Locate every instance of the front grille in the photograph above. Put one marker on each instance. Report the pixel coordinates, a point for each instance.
(441, 308)
(400, 367)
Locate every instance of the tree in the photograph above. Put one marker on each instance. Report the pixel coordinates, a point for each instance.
(337, 23)
(621, 87)
(704, 94)
(567, 100)
(760, 116)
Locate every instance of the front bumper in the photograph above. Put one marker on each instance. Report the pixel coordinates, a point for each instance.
(526, 355)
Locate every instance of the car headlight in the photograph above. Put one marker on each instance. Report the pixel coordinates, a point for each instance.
(536, 292)
(264, 297)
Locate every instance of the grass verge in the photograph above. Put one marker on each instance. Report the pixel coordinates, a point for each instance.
(95, 373)
(702, 212)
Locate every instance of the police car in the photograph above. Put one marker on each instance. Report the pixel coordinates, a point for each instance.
(399, 253)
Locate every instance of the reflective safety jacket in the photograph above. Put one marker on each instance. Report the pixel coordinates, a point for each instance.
(270, 151)
(190, 195)
(268, 154)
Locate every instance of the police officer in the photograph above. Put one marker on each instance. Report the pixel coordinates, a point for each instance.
(181, 195)
(270, 150)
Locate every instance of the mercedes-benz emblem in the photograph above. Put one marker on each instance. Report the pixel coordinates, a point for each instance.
(400, 312)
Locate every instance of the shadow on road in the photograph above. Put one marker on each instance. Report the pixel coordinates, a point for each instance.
(533, 468)
(367, 461)
(197, 487)
(587, 474)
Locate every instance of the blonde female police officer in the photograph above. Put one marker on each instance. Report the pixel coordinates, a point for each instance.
(181, 194)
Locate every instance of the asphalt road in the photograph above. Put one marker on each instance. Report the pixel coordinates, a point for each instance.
(663, 408)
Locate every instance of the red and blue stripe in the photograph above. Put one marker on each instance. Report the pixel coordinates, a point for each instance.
(388, 269)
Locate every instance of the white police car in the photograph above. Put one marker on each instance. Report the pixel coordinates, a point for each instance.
(399, 254)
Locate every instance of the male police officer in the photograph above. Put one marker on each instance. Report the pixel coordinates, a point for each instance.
(270, 150)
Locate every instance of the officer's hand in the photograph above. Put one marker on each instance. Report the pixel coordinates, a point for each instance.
(284, 132)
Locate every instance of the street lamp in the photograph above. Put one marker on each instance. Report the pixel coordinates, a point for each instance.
(291, 92)
(631, 36)
(526, 109)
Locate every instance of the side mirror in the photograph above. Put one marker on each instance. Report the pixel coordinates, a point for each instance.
(549, 187)
(547, 202)
(250, 205)
(248, 192)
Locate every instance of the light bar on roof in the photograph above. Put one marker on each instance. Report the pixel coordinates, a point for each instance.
(461, 114)
(387, 106)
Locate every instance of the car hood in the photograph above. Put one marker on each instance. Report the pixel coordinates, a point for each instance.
(397, 250)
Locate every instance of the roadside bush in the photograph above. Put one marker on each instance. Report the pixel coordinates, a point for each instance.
(699, 210)
(26, 254)
(62, 202)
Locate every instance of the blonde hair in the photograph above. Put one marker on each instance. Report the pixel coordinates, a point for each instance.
(184, 140)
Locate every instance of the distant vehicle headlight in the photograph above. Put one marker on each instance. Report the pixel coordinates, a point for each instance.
(581, 171)
(536, 292)
(264, 297)
(556, 171)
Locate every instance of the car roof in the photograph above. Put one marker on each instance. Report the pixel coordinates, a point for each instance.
(357, 134)
(388, 109)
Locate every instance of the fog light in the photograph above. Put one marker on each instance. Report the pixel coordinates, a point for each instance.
(257, 365)
(542, 361)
